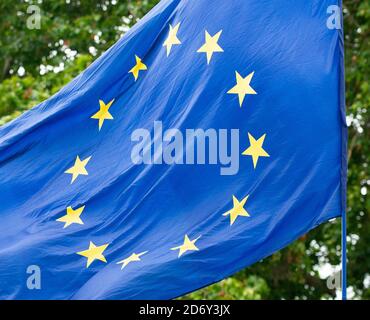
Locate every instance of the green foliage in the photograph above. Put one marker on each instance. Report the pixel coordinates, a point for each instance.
(19, 94)
(74, 25)
(357, 29)
(238, 287)
(73, 33)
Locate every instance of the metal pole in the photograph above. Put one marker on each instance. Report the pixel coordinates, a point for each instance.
(344, 256)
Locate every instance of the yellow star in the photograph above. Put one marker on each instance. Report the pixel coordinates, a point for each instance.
(211, 45)
(189, 245)
(172, 38)
(78, 168)
(255, 150)
(132, 258)
(138, 67)
(237, 210)
(94, 253)
(242, 87)
(103, 113)
(72, 216)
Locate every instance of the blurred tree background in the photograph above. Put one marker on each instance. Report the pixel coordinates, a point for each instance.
(34, 64)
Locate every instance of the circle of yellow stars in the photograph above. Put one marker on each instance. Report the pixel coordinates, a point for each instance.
(242, 88)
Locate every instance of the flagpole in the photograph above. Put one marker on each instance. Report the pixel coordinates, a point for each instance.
(344, 256)
(344, 169)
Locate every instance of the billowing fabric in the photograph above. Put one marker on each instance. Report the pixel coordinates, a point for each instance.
(210, 136)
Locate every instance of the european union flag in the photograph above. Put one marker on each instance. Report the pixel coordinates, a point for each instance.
(210, 136)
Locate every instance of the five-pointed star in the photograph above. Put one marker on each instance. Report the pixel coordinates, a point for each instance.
(132, 258)
(78, 168)
(72, 216)
(255, 150)
(94, 252)
(138, 67)
(172, 38)
(189, 245)
(103, 113)
(211, 45)
(242, 87)
(237, 210)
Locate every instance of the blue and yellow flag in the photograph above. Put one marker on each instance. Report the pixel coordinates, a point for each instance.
(210, 136)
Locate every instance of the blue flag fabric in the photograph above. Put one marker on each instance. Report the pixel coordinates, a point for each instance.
(210, 136)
